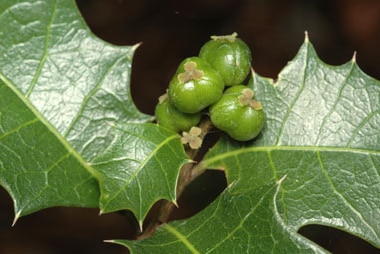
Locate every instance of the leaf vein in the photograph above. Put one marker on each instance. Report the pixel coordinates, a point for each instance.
(340, 91)
(18, 128)
(338, 194)
(361, 125)
(207, 162)
(242, 222)
(45, 53)
(290, 107)
(141, 167)
(182, 238)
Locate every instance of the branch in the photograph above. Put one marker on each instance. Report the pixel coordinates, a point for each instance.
(186, 176)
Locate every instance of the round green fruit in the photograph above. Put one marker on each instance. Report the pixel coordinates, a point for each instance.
(230, 56)
(238, 113)
(195, 85)
(168, 116)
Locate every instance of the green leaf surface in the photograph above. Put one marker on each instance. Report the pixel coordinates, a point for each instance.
(140, 167)
(66, 84)
(75, 80)
(60, 87)
(323, 133)
(245, 223)
(38, 169)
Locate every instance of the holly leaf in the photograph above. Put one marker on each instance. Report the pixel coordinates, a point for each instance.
(75, 80)
(321, 133)
(140, 167)
(37, 168)
(244, 222)
(60, 85)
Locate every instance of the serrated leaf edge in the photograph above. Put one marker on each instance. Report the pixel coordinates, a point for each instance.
(52, 129)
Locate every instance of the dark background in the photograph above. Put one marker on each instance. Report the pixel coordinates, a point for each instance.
(169, 32)
(173, 30)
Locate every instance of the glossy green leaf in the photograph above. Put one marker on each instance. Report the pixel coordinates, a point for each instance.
(60, 85)
(323, 133)
(140, 167)
(74, 79)
(247, 222)
(38, 168)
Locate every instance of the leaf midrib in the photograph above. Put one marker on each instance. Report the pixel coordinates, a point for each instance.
(140, 167)
(343, 198)
(87, 98)
(293, 102)
(45, 52)
(244, 219)
(236, 152)
(48, 125)
(333, 107)
(316, 149)
(181, 238)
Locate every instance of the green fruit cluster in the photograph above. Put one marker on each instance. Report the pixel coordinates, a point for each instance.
(213, 81)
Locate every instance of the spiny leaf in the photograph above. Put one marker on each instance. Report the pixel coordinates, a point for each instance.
(140, 167)
(322, 133)
(69, 84)
(37, 168)
(75, 80)
(244, 223)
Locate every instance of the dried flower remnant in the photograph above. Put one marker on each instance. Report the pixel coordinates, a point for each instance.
(192, 138)
(191, 73)
(246, 99)
(229, 38)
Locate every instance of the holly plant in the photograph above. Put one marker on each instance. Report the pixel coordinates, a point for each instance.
(303, 149)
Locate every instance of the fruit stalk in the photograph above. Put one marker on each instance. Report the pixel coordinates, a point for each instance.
(185, 177)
